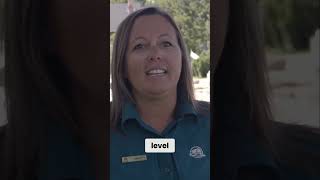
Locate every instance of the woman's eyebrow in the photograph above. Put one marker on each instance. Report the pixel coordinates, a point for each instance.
(164, 35)
(142, 38)
(136, 39)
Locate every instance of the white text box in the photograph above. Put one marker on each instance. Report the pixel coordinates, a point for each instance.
(160, 145)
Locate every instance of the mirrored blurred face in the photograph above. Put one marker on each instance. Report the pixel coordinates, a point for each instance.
(153, 57)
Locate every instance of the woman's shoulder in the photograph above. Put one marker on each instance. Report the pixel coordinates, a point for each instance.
(203, 108)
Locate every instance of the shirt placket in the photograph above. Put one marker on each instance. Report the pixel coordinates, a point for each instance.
(166, 162)
(167, 167)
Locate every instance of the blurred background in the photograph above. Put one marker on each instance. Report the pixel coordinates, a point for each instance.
(291, 32)
(2, 105)
(291, 42)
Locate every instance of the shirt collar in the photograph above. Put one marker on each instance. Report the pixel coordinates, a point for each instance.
(183, 109)
(129, 111)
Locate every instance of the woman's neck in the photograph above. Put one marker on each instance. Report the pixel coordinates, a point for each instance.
(157, 112)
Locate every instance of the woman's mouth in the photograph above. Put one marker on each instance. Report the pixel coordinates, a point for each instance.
(154, 72)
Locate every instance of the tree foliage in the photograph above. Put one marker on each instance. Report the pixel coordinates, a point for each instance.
(201, 66)
(193, 19)
(289, 24)
(118, 1)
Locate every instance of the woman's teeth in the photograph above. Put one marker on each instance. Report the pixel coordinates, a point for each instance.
(156, 71)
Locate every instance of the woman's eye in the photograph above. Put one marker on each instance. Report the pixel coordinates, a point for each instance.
(138, 46)
(167, 44)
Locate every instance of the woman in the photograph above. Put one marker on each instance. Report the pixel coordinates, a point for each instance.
(249, 145)
(153, 98)
(55, 85)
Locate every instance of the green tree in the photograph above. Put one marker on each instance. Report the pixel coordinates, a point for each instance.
(201, 66)
(193, 19)
(288, 24)
(304, 22)
(276, 14)
(118, 1)
(142, 2)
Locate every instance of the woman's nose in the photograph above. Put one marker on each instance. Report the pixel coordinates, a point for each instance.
(152, 58)
(154, 54)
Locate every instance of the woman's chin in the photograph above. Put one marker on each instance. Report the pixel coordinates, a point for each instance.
(158, 92)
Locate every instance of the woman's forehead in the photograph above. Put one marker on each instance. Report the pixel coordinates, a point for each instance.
(152, 25)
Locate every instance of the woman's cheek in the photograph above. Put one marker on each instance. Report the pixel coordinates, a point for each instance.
(140, 55)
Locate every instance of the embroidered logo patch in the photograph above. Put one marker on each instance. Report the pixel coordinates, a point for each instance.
(196, 152)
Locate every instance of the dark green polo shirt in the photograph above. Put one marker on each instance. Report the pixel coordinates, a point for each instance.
(191, 160)
(64, 158)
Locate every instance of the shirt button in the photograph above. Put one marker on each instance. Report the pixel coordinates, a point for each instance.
(166, 170)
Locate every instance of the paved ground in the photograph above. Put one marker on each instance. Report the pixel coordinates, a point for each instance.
(296, 89)
(202, 89)
(295, 85)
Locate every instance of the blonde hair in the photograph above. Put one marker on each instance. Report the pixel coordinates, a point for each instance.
(121, 90)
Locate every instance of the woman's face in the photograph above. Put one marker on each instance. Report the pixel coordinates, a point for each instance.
(153, 57)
